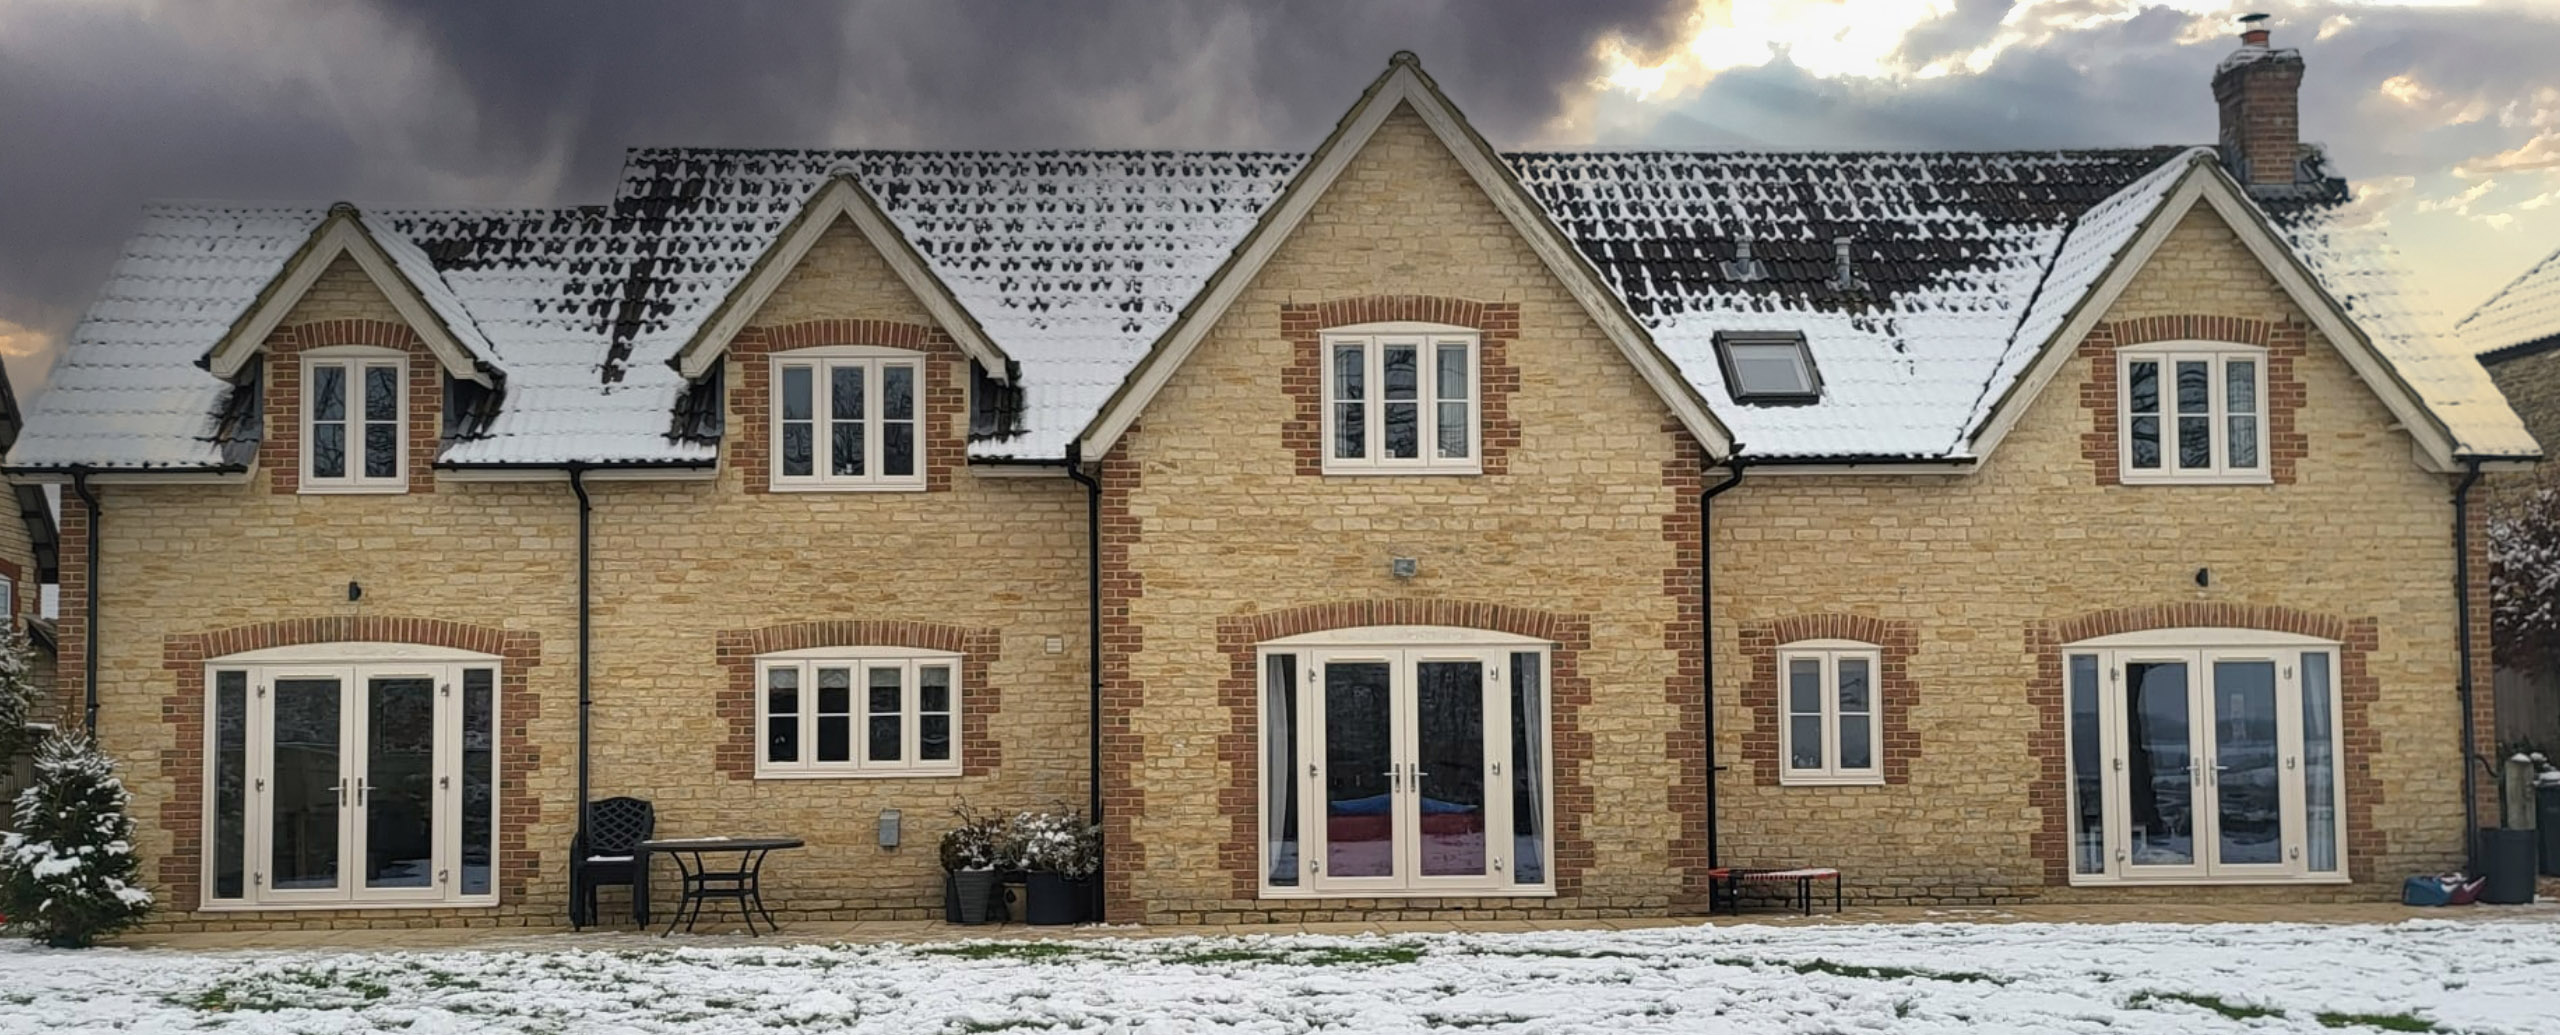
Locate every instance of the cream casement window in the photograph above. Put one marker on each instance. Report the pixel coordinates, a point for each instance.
(355, 419)
(858, 711)
(351, 775)
(1830, 731)
(1405, 761)
(1401, 399)
(2205, 756)
(848, 418)
(2193, 412)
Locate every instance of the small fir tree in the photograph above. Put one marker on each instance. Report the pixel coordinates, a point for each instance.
(17, 697)
(68, 874)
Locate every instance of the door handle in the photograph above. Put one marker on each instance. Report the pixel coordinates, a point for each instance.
(342, 793)
(361, 786)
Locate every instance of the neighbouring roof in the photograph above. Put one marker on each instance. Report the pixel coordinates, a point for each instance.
(2524, 313)
(1075, 262)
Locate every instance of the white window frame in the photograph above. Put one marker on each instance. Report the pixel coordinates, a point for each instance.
(352, 664)
(1829, 653)
(2217, 357)
(356, 359)
(908, 661)
(1399, 646)
(2199, 648)
(1427, 340)
(823, 361)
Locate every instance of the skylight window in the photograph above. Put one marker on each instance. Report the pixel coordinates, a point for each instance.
(1768, 367)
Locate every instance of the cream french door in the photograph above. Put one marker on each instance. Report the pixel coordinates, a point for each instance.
(344, 785)
(1406, 772)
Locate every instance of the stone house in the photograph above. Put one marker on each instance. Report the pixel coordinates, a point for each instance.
(1397, 529)
(2516, 335)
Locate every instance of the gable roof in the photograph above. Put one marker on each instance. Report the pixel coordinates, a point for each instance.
(840, 198)
(396, 266)
(1403, 86)
(2523, 316)
(1079, 265)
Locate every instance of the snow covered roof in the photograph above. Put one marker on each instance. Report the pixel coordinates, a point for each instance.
(1075, 262)
(2525, 312)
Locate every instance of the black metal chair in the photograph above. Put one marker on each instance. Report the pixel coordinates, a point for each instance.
(606, 853)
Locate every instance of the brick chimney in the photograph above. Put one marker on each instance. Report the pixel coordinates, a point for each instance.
(2259, 90)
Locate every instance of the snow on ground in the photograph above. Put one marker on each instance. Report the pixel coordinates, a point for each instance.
(2041, 978)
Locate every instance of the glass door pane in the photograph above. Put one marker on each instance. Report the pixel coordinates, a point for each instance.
(2319, 766)
(2160, 765)
(2248, 798)
(1528, 768)
(1449, 768)
(397, 794)
(479, 780)
(1359, 753)
(306, 768)
(230, 784)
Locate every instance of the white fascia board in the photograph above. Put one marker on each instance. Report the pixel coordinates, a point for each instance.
(340, 235)
(1403, 84)
(841, 197)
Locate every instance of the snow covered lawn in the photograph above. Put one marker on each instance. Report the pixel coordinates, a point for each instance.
(2040, 978)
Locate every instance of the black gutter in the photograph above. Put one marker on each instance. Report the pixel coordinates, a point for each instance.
(1093, 648)
(586, 701)
(2462, 682)
(1707, 637)
(1016, 461)
(89, 624)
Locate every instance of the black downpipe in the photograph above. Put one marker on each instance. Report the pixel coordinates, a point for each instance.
(1092, 651)
(2462, 639)
(1707, 637)
(89, 623)
(586, 508)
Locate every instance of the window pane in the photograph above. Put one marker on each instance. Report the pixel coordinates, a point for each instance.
(2142, 387)
(230, 782)
(381, 392)
(898, 392)
(1402, 368)
(887, 729)
(399, 769)
(1528, 768)
(1350, 430)
(479, 779)
(797, 401)
(782, 711)
(844, 453)
(835, 738)
(1768, 369)
(381, 450)
(328, 450)
(1453, 379)
(1404, 436)
(2319, 766)
(1804, 686)
(2240, 386)
(835, 715)
(1857, 749)
(933, 688)
(897, 448)
(1804, 742)
(844, 392)
(835, 691)
(2146, 442)
(2247, 800)
(933, 718)
(1280, 768)
(796, 448)
(2195, 442)
(1854, 687)
(328, 392)
(933, 738)
(1453, 430)
(2159, 765)
(2088, 825)
(305, 802)
(2195, 387)
(1350, 369)
(2244, 442)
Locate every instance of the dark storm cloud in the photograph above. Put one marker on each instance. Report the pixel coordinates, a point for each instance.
(437, 102)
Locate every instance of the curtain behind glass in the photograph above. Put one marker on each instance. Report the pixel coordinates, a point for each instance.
(1528, 769)
(2319, 765)
(1280, 767)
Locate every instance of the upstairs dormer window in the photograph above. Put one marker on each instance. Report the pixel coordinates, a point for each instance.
(1768, 368)
(1402, 399)
(355, 420)
(2193, 413)
(849, 419)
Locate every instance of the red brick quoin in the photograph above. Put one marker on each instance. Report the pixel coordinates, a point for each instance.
(946, 391)
(1896, 693)
(183, 711)
(739, 648)
(1497, 326)
(2358, 690)
(280, 452)
(1240, 692)
(2285, 343)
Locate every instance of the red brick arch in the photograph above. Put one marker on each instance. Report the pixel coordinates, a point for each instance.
(185, 657)
(2359, 689)
(1568, 693)
(2285, 343)
(1497, 326)
(946, 391)
(738, 649)
(1896, 692)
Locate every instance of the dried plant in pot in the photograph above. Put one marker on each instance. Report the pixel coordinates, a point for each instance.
(1060, 850)
(975, 853)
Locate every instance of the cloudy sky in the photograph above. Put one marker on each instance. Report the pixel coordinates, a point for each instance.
(2445, 113)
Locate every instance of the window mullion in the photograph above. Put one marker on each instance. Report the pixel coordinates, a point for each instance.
(1372, 353)
(1831, 760)
(874, 424)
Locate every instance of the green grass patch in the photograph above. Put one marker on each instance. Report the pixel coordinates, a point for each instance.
(1854, 970)
(2217, 1004)
(1025, 951)
(2384, 1021)
(1326, 956)
(1019, 1024)
(1473, 1020)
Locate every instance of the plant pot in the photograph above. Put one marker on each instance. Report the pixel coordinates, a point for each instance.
(2506, 859)
(1053, 899)
(969, 896)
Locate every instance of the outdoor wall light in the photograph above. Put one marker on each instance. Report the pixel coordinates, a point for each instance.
(355, 591)
(888, 828)
(2204, 577)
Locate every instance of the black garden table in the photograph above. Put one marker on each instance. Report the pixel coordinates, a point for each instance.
(741, 881)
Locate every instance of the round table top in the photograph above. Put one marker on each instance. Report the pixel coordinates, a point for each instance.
(721, 844)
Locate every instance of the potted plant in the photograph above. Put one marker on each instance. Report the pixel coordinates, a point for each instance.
(1060, 850)
(974, 856)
